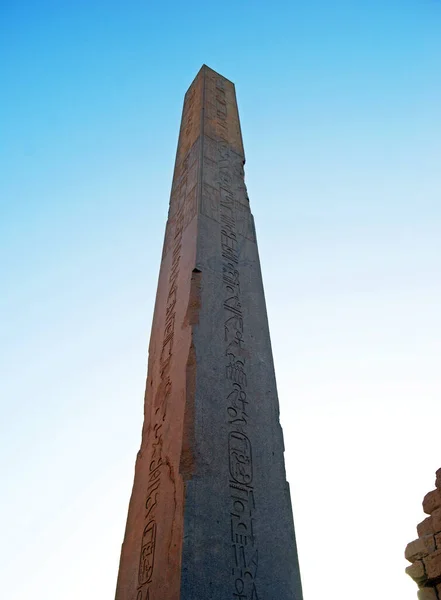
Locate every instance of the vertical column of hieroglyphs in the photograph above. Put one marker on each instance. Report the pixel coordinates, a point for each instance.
(225, 200)
(150, 559)
(183, 199)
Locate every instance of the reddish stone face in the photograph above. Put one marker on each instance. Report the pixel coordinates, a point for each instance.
(425, 552)
(150, 565)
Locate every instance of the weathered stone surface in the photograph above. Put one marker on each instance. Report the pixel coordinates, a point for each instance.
(432, 501)
(420, 548)
(436, 520)
(432, 564)
(417, 572)
(427, 593)
(438, 479)
(425, 527)
(210, 513)
(438, 590)
(438, 541)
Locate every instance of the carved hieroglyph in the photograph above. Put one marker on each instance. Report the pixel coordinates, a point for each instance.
(210, 514)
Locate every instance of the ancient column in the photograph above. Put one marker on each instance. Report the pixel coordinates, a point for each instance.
(210, 514)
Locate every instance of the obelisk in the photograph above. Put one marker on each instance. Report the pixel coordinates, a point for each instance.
(210, 514)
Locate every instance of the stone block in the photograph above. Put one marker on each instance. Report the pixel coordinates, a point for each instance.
(420, 548)
(438, 479)
(432, 501)
(438, 541)
(438, 589)
(432, 565)
(425, 527)
(436, 520)
(427, 593)
(417, 572)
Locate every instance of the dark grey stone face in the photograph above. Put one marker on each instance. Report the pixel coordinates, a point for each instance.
(219, 520)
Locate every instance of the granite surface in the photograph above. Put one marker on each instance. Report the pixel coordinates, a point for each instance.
(210, 515)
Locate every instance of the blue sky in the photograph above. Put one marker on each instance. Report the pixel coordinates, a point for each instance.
(339, 104)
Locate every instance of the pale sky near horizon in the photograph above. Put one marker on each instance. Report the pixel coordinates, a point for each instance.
(340, 110)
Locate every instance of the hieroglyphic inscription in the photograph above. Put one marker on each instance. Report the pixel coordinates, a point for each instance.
(239, 447)
(147, 557)
(183, 202)
(242, 507)
(190, 124)
(182, 210)
(219, 125)
(157, 461)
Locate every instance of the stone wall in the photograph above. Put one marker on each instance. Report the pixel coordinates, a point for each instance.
(425, 552)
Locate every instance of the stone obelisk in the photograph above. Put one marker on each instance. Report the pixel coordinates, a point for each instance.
(210, 514)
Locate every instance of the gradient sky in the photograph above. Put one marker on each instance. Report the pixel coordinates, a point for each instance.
(340, 109)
